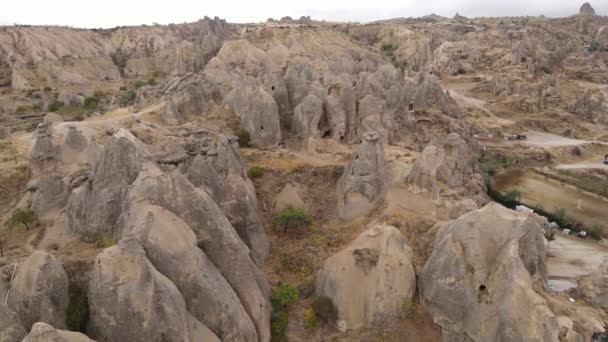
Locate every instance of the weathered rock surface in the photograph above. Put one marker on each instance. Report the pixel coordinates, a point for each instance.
(131, 301)
(52, 118)
(452, 167)
(591, 106)
(40, 291)
(42, 332)
(95, 206)
(215, 235)
(171, 247)
(289, 196)
(10, 329)
(51, 194)
(365, 179)
(595, 287)
(44, 155)
(5, 133)
(430, 95)
(369, 281)
(587, 9)
(485, 278)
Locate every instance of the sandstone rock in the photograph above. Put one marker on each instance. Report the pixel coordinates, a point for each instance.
(369, 281)
(586, 9)
(591, 106)
(42, 332)
(131, 301)
(485, 277)
(51, 194)
(288, 197)
(40, 291)
(10, 329)
(595, 287)
(452, 166)
(44, 155)
(430, 95)
(95, 206)
(52, 118)
(189, 98)
(224, 177)
(307, 117)
(601, 38)
(365, 179)
(259, 114)
(215, 235)
(170, 245)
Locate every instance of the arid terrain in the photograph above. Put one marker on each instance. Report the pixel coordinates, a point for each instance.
(412, 179)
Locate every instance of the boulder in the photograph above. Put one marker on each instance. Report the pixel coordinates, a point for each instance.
(51, 194)
(131, 301)
(424, 173)
(39, 292)
(307, 117)
(594, 287)
(486, 276)
(365, 179)
(370, 280)
(42, 332)
(10, 329)
(52, 118)
(95, 206)
(288, 197)
(215, 236)
(170, 245)
(45, 155)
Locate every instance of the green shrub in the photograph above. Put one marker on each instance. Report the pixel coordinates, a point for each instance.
(256, 172)
(514, 195)
(99, 93)
(594, 47)
(244, 137)
(409, 309)
(310, 319)
(595, 232)
(152, 82)
(48, 89)
(36, 106)
(90, 103)
(126, 99)
(139, 84)
(21, 109)
(284, 296)
(278, 325)
(337, 172)
(25, 217)
(325, 309)
(123, 88)
(77, 314)
(290, 217)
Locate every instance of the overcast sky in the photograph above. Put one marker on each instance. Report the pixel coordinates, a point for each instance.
(111, 13)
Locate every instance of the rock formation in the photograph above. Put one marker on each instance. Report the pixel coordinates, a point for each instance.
(451, 167)
(430, 95)
(119, 310)
(486, 277)
(379, 263)
(592, 106)
(365, 179)
(586, 9)
(10, 328)
(42, 332)
(39, 292)
(594, 287)
(289, 196)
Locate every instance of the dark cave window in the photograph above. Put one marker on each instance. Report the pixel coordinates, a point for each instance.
(272, 88)
(262, 128)
(482, 287)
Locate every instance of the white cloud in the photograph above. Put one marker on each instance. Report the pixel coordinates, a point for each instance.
(110, 13)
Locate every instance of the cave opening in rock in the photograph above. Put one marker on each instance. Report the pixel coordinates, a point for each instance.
(273, 88)
(482, 288)
(262, 128)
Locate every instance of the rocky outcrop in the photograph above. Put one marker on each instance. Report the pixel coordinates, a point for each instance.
(379, 263)
(288, 197)
(42, 332)
(51, 193)
(215, 236)
(594, 287)
(429, 95)
(10, 329)
(95, 205)
(365, 179)
(591, 106)
(52, 118)
(171, 247)
(186, 98)
(131, 301)
(485, 279)
(307, 117)
(586, 9)
(5, 133)
(449, 169)
(39, 291)
(45, 154)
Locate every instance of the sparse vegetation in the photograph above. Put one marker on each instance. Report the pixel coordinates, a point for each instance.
(278, 325)
(99, 240)
(310, 319)
(256, 172)
(139, 84)
(284, 297)
(47, 89)
(409, 309)
(127, 98)
(491, 165)
(21, 110)
(90, 103)
(244, 137)
(549, 236)
(36, 107)
(55, 106)
(337, 172)
(514, 195)
(77, 315)
(25, 217)
(291, 218)
(152, 82)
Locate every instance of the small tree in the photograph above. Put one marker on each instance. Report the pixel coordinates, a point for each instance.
(550, 236)
(244, 137)
(256, 172)
(24, 217)
(514, 195)
(284, 296)
(291, 217)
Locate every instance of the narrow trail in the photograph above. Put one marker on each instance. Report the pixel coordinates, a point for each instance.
(578, 166)
(456, 90)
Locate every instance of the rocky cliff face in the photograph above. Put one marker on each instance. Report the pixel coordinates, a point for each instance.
(35, 57)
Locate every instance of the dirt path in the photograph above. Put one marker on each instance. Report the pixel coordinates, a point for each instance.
(457, 92)
(573, 257)
(578, 166)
